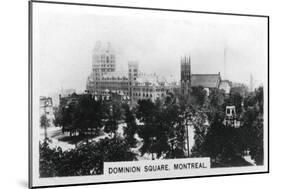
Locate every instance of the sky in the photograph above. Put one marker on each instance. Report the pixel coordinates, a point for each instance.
(64, 37)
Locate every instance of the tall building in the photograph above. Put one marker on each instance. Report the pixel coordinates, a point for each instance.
(185, 75)
(131, 85)
(103, 62)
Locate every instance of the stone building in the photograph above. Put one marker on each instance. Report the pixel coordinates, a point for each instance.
(132, 85)
(207, 81)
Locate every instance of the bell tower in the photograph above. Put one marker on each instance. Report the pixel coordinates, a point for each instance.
(185, 75)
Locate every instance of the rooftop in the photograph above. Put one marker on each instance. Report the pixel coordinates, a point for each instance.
(205, 80)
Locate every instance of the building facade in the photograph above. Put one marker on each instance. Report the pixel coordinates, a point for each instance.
(207, 81)
(132, 85)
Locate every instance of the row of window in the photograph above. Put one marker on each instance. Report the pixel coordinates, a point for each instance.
(114, 79)
(150, 89)
(103, 56)
(105, 61)
(107, 70)
(108, 65)
(146, 95)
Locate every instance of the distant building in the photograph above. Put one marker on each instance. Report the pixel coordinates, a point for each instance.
(131, 85)
(46, 108)
(66, 92)
(71, 99)
(151, 86)
(207, 81)
(61, 93)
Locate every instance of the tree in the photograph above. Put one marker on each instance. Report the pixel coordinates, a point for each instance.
(201, 128)
(84, 116)
(155, 129)
(85, 159)
(224, 145)
(212, 111)
(113, 115)
(215, 107)
(257, 147)
(163, 126)
(47, 167)
(174, 123)
(131, 126)
(259, 96)
(216, 98)
(87, 115)
(197, 96)
(252, 125)
(44, 123)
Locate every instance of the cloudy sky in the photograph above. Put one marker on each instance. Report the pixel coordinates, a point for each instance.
(64, 38)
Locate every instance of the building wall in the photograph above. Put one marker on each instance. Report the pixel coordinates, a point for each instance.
(141, 92)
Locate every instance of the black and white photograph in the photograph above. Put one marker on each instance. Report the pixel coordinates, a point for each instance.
(126, 94)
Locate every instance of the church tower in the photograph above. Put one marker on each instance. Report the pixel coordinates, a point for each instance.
(185, 75)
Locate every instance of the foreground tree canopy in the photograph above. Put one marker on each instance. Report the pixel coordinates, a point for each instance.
(158, 128)
(85, 159)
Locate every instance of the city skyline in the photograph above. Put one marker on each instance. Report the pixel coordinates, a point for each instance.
(157, 44)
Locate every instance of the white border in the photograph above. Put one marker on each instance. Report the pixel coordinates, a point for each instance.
(36, 181)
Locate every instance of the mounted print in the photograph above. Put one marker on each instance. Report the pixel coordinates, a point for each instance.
(122, 94)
